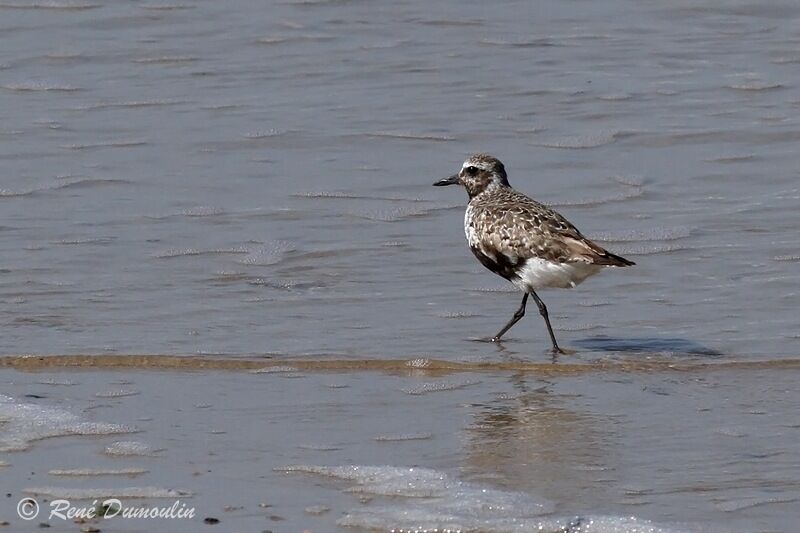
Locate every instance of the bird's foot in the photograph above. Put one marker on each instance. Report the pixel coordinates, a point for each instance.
(561, 351)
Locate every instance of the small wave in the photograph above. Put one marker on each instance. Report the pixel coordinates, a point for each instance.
(628, 181)
(733, 158)
(164, 60)
(595, 303)
(628, 194)
(392, 214)
(747, 503)
(615, 97)
(651, 249)
(79, 472)
(274, 370)
(755, 86)
(189, 252)
(400, 437)
(504, 288)
(80, 182)
(408, 136)
(166, 7)
(439, 386)
(653, 234)
(354, 196)
(450, 22)
(97, 494)
(88, 182)
(456, 314)
(521, 43)
(264, 134)
(49, 124)
(130, 448)
(221, 107)
(784, 60)
(578, 327)
(57, 6)
(58, 382)
(119, 393)
(383, 45)
(786, 258)
(39, 86)
(220, 278)
(108, 144)
(76, 242)
(579, 142)
(133, 104)
(201, 211)
(319, 447)
(281, 39)
(267, 254)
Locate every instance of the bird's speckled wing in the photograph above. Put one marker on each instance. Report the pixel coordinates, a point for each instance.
(505, 228)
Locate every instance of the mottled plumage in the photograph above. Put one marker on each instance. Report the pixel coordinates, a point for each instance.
(522, 240)
(506, 230)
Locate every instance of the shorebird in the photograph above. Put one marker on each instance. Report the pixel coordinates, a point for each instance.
(522, 240)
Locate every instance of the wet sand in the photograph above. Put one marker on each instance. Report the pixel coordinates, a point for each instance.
(295, 444)
(417, 366)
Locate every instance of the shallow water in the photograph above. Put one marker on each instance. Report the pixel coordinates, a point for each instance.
(249, 181)
(289, 450)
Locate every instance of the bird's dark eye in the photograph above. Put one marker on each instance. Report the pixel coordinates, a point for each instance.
(472, 170)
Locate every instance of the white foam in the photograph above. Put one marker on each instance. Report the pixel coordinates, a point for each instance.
(202, 211)
(274, 369)
(62, 382)
(23, 423)
(130, 448)
(399, 437)
(118, 393)
(267, 254)
(439, 386)
(436, 501)
(97, 472)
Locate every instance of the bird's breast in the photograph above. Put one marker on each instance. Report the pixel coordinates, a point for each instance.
(469, 226)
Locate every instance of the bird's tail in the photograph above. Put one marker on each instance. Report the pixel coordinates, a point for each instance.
(601, 256)
(609, 259)
(585, 250)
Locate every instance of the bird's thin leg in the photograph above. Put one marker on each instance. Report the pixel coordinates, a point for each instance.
(543, 312)
(514, 319)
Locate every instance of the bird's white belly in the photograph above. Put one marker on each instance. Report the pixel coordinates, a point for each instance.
(540, 273)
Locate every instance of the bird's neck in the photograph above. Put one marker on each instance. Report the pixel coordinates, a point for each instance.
(488, 189)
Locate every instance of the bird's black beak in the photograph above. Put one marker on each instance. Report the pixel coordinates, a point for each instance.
(452, 180)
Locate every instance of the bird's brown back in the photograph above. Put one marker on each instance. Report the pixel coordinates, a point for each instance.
(504, 221)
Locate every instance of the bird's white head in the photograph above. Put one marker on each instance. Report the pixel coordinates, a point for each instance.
(478, 173)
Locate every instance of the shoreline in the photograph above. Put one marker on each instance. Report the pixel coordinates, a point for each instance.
(418, 366)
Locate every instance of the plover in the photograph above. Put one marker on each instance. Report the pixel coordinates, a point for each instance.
(522, 240)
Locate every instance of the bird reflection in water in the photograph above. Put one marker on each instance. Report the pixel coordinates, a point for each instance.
(532, 443)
